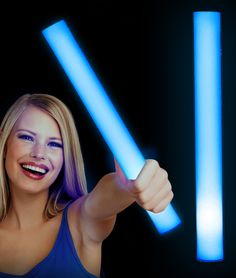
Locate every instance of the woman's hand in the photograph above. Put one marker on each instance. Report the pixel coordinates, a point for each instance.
(114, 192)
(151, 189)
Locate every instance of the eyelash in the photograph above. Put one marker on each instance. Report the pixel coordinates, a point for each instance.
(30, 138)
(55, 144)
(26, 137)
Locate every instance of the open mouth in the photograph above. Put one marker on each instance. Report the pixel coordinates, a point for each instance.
(38, 171)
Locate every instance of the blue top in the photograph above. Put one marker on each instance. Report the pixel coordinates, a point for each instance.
(61, 262)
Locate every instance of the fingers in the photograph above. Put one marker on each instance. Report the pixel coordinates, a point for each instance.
(164, 203)
(145, 176)
(152, 189)
(159, 201)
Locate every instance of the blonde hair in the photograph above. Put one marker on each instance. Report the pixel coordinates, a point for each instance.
(71, 182)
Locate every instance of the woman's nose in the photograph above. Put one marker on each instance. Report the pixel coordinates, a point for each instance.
(39, 151)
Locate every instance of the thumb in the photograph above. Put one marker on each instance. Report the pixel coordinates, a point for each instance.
(119, 172)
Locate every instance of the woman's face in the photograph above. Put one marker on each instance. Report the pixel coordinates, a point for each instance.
(34, 152)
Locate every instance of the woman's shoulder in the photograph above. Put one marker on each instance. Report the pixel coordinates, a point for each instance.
(37, 243)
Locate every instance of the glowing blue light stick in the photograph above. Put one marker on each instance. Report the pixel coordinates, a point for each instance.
(207, 67)
(102, 111)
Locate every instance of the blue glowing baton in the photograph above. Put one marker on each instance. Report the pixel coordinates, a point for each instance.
(207, 69)
(102, 111)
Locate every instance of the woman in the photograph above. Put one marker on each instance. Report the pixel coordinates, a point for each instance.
(50, 226)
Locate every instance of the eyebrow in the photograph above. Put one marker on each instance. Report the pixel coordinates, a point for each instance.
(33, 133)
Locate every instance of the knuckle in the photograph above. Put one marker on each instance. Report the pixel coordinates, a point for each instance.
(164, 174)
(171, 195)
(169, 186)
(153, 163)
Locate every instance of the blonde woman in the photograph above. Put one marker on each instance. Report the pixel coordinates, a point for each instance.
(50, 226)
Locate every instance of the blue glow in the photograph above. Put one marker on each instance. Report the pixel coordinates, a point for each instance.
(207, 67)
(102, 111)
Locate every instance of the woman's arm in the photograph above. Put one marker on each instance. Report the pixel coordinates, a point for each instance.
(114, 192)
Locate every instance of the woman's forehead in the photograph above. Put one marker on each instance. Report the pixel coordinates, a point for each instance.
(37, 121)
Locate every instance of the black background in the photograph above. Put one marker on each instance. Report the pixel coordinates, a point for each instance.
(142, 51)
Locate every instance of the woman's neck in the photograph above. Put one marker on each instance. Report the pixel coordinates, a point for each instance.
(26, 211)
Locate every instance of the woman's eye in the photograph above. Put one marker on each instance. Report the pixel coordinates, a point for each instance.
(55, 144)
(26, 137)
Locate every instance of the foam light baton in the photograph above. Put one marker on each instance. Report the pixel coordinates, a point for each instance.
(207, 70)
(103, 113)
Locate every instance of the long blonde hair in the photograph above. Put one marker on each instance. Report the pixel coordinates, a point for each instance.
(71, 182)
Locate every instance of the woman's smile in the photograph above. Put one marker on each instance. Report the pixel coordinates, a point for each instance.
(34, 152)
(34, 171)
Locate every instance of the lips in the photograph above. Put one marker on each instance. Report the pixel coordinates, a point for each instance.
(33, 170)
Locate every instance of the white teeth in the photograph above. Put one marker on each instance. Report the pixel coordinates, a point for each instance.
(36, 169)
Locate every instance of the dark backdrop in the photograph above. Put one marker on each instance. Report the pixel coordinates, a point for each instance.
(142, 51)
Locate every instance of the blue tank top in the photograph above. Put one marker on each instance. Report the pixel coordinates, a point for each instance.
(61, 262)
